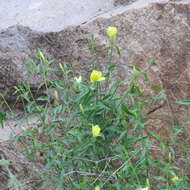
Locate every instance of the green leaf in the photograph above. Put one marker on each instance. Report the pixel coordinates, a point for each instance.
(184, 102)
(31, 66)
(111, 68)
(145, 75)
(106, 105)
(122, 135)
(4, 163)
(43, 98)
(30, 107)
(118, 50)
(2, 118)
(136, 89)
(157, 88)
(125, 109)
(59, 84)
(58, 110)
(152, 62)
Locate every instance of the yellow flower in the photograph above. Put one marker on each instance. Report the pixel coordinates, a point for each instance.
(96, 130)
(96, 76)
(97, 188)
(112, 32)
(175, 179)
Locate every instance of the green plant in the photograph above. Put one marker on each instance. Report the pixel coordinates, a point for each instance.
(89, 134)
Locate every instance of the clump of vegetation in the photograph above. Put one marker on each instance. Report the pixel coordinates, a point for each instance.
(89, 135)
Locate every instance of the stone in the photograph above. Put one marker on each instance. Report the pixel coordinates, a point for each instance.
(48, 16)
(150, 29)
(123, 2)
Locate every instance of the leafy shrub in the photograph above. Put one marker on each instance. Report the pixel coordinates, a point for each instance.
(89, 134)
